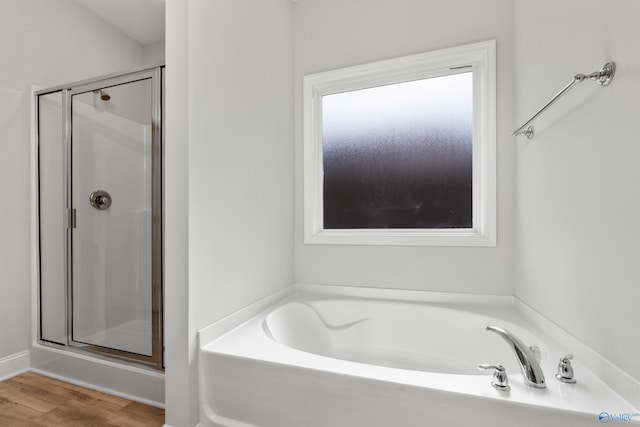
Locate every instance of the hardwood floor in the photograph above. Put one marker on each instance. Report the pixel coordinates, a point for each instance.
(30, 399)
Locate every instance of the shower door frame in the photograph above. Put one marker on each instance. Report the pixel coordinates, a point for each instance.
(155, 74)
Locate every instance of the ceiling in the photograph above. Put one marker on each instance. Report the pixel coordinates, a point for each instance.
(142, 20)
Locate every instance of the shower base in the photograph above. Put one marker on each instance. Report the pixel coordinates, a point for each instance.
(134, 336)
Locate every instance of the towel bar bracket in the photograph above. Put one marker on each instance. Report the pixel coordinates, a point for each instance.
(529, 132)
(603, 77)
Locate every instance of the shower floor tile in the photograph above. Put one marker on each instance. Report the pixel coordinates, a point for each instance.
(30, 399)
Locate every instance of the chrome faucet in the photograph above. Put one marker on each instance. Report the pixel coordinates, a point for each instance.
(529, 365)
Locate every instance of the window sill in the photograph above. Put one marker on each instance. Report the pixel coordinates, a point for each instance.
(402, 237)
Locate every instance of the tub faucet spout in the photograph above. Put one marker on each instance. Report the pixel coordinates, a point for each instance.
(531, 370)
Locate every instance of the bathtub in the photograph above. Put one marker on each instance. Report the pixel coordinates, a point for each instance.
(351, 357)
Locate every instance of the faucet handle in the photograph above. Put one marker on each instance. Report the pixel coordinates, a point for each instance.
(565, 370)
(500, 379)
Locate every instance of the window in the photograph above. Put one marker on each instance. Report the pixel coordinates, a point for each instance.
(402, 152)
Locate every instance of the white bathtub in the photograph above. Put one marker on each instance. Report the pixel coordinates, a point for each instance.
(389, 358)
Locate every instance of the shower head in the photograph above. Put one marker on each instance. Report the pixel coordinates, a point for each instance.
(103, 95)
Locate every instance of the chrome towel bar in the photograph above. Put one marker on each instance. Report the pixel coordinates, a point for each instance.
(603, 77)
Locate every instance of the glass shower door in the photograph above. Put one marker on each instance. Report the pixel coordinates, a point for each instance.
(114, 188)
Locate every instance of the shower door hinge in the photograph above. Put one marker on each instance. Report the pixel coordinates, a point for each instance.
(72, 219)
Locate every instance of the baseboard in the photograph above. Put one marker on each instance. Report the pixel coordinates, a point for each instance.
(13, 365)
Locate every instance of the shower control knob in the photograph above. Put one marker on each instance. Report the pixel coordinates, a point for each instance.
(100, 200)
(500, 379)
(565, 370)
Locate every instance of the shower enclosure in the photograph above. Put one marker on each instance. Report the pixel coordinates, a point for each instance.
(99, 147)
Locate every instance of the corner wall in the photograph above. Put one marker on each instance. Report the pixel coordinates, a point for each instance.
(229, 173)
(240, 153)
(180, 332)
(330, 34)
(578, 197)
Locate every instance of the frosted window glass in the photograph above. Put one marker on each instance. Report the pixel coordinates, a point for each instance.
(399, 156)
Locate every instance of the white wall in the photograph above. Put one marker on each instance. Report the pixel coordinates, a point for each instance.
(578, 197)
(153, 53)
(230, 111)
(240, 153)
(331, 34)
(181, 384)
(14, 224)
(43, 43)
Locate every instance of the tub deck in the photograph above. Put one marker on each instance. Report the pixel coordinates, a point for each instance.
(281, 369)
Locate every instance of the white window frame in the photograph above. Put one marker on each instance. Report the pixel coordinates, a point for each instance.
(480, 58)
